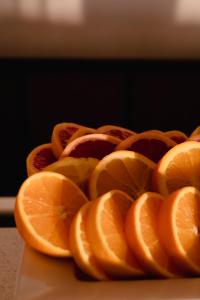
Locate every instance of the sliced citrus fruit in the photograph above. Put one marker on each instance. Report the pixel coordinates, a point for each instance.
(91, 145)
(62, 132)
(39, 158)
(117, 131)
(176, 135)
(124, 170)
(179, 167)
(179, 224)
(81, 132)
(45, 205)
(76, 169)
(195, 138)
(142, 235)
(150, 144)
(196, 131)
(105, 228)
(80, 246)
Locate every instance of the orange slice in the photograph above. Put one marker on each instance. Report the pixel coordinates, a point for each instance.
(124, 170)
(179, 224)
(176, 135)
(45, 206)
(39, 158)
(76, 169)
(196, 131)
(105, 228)
(117, 131)
(143, 236)
(61, 134)
(150, 144)
(179, 167)
(80, 246)
(81, 132)
(91, 145)
(195, 138)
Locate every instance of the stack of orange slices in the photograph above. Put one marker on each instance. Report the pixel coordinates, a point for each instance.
(122, 204)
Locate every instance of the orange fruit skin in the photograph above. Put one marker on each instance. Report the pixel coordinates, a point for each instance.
(65, 129)
(130, 142)
(96, 137)
(117, 131)
(80, 247)
(169, 238)
(118, 262)
(31, 163)
(154, 259)
(29, 193)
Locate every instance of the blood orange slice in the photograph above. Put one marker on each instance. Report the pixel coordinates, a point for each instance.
(176, 135)
(151, 144)
(81, 132)
(62, 132)
(91, 145)
(117, 131)
(39, 158)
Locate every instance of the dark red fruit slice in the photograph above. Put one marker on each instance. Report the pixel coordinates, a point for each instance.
(151, 145)
(39, 158)
(91, 145)
(119, 132)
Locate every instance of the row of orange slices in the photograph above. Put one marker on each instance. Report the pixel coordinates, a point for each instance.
(114, 236)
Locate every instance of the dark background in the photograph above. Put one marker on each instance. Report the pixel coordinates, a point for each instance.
(36, 94)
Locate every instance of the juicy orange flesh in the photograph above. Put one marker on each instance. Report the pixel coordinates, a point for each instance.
(152, 148)
(65, 134)
(150, 233)
(49, 207)
(132, 178)
(185, 170)
(112, 223)
(85, 243)
(188, 225)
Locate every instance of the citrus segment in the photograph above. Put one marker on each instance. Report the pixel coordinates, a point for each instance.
(39, 158)
(45, 206)
(91, 145)
(179, 167)
(142, 234)
(123, 170)
(176, 135)
(179, 224)
(150, 144)
(117, 131)
(76, 169)
(105, 227)
(80, 246)
(62, 132)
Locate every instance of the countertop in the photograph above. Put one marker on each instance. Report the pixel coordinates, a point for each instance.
(10, 252)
